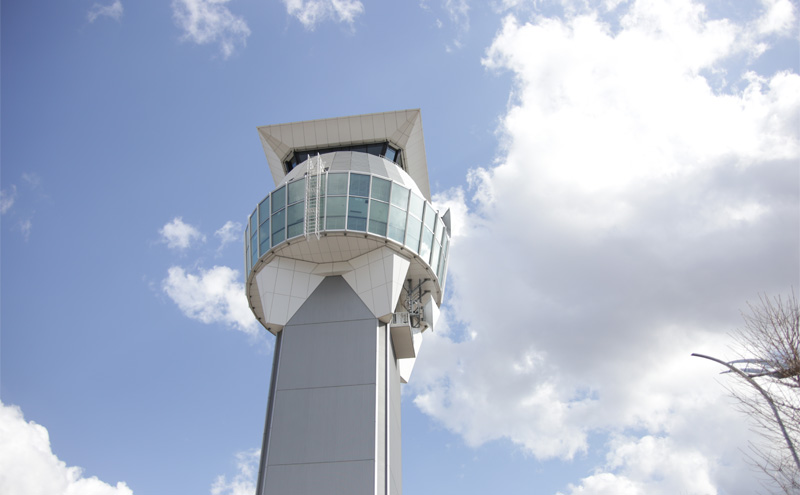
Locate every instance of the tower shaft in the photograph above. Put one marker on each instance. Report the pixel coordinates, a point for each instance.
(333, 419)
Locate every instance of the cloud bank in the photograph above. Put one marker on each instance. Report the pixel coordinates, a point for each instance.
(31, 468)
(633, 212)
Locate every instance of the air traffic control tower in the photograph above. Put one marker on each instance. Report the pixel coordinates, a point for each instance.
(346, 262)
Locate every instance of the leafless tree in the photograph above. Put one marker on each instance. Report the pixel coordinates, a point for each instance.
(769, 345)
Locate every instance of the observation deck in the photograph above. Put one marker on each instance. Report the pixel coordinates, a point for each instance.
(362, 203)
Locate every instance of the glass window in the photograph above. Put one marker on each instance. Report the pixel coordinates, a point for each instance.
(443, 266)
(378, 215)
(425, 245)
(246, 257)
(430, 216)
(435, 255)
(335, 212)
(253, 250)
(297, 191)
(321, 213)
(263, 237)
(263, 210)
(294, 218)
(416, 205)
(278, 199)
(412, 233)
(391, 153)
(357, 212)
(359, 185)
(375, 149)
(445, 245)
(399, 196)
(253, 222)
(278, 227)
(337, 184)
(381, 188)
(437, 232)
(397, 224)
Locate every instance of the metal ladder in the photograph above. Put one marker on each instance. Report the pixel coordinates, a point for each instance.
(314, 183)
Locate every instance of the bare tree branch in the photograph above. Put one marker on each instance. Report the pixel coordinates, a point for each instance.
(769, 344)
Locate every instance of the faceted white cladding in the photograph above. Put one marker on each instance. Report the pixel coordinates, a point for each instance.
(378, 278)
(402, 129)
(284, 285)
(406, 366)
(431, 310)
(406, 341)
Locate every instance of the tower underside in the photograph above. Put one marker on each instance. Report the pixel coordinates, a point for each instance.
(333, 416)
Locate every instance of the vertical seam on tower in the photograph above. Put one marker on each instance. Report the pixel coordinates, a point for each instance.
(377, 411)
(262, 475)
(386, 403)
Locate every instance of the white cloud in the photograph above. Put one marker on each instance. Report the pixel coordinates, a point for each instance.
(179, 235)
(633, 213)
(31, 468)
(211, 296)
(32, 179)
(649, 466)
(113, 11)
(778, 17)
(456, 13)
(7, 198)
(228, 233)
(25, 226)
(244, 482)
(210, 21)
(312, 12)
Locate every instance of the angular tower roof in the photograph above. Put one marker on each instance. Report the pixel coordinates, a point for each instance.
(402, 129)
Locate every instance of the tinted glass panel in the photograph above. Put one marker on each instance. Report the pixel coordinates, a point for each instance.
(337, 184)
(443, 265)
(430, 216)
(378, 215)
(254, 252)
(399, 196)
(425, 245)
(359, 185)
(443, 261)
(336, 209)
(397, 224)
(357, 214)
(294, 218)
(412, 233)
(263, 238)
(375, 149)
(253, 222)
(416, 205)
(278, 227)
(297, 191)
(263, 210)
(278, 199)
(435, 256)
(381, 189)
(390, 153)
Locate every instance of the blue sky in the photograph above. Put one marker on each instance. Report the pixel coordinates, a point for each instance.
(623, 177)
